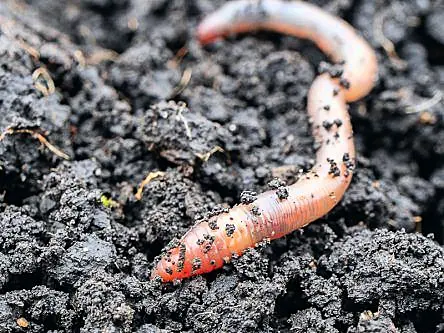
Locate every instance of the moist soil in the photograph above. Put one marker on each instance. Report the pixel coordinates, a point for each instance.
(125, 90)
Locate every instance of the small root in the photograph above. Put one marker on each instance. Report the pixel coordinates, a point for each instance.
(80, 58)
(183, 83)
(43, 81)
(180, 116)
(147, 180)
(206, 156)
(178, 57)
(58, 152)
(32, 51)
(6, 27)
(425, 105)
(100, 56)
(387, 44)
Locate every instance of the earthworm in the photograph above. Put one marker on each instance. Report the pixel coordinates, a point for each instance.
(211, 243)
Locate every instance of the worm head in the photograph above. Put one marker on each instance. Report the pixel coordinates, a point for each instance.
(233, 17)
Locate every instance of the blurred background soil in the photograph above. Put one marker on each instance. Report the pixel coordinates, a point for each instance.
(124, 89)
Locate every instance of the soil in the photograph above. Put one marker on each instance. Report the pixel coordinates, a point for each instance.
(124, 89)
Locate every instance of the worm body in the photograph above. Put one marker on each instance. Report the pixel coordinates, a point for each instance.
(211, 243)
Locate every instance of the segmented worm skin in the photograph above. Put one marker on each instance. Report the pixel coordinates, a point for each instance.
(209, 244)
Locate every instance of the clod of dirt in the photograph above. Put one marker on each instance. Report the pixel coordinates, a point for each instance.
(179, 135)
(82, 258)
(433, 24)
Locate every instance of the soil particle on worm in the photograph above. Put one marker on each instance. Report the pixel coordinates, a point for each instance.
(124, 89)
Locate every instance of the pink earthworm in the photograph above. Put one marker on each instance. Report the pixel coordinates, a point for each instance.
(211, 243)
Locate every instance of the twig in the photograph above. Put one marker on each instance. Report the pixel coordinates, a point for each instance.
(148, 179)
(38, 136)
(206, 156)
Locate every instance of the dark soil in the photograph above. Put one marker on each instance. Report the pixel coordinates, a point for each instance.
(76, 247)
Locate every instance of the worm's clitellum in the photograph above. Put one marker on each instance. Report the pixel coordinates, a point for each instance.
(211, 243)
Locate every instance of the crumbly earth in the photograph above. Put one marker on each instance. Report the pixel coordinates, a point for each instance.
(134, 93)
